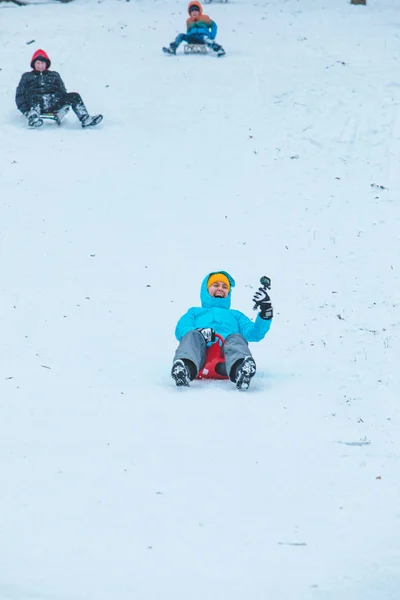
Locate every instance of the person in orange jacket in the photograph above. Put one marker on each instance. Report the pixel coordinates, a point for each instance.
(43, 91)
(200, 30)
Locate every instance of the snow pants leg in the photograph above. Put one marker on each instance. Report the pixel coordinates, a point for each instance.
(236, 348)
(190, 39)
(42, 103)
(192, 347)
(73, 100)
(36, 105)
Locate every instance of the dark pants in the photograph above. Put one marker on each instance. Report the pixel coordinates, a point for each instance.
(193, 347)
(42, 103)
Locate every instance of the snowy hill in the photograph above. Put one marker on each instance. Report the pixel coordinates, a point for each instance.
(279, 159)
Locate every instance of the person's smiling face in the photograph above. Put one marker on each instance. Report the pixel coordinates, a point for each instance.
(218, 289)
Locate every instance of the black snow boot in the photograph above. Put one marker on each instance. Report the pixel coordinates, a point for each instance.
(181, 373)
(218, 49)
(171, 49)
(34, 119)
(244, 372)
(89, 121)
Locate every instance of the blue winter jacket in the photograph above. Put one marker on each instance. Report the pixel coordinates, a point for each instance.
(201, 27)
(217, 314)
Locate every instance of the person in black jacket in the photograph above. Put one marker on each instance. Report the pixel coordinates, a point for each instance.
(43, 91)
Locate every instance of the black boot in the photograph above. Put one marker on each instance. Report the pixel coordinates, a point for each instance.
(89, 121)
(218, 49)
(171, 49)
(34, 119)
(181, 373)
(244, 371)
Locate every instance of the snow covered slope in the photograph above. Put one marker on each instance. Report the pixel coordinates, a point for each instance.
(282, 158)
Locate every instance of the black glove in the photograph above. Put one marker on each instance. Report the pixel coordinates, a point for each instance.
(263, 302)
(208, 334)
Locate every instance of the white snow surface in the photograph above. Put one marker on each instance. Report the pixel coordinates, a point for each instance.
(282, 158)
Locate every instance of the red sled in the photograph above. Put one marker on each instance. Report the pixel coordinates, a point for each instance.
(214, 356)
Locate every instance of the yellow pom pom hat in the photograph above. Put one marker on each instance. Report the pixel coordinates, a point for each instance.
(218, 277)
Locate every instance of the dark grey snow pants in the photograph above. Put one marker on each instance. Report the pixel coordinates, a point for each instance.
(193, 347)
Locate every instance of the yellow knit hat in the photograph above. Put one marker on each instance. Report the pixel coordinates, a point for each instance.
(219, 277)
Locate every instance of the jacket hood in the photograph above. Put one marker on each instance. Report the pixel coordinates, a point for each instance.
(208, 301)
(41, 55)
(194, 3)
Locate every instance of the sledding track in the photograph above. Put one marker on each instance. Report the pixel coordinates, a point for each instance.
(276, 159)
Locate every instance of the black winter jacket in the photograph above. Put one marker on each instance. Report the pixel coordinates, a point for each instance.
(36, 83)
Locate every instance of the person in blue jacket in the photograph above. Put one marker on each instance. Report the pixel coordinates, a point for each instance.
(198, 326)
(200, 29)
